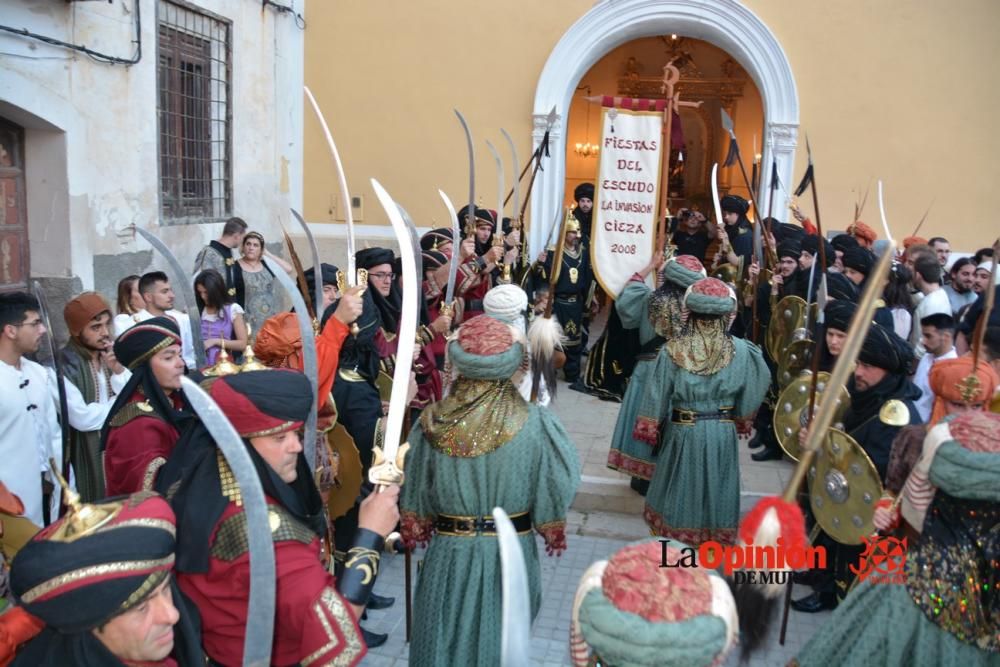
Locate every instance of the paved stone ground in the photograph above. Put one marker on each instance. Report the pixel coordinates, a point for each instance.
(606, 514)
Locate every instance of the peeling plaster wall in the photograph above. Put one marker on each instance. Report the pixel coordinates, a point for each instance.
(91, 139)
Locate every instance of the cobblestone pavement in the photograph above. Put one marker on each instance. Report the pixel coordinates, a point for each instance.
(606, 515)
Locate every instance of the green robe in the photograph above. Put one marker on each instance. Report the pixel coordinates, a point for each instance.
(457, 605)
(628, 455)
(695, 491)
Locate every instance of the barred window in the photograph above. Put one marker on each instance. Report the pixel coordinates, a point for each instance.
(195, 113)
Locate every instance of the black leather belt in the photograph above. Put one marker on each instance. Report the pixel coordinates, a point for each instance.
(471, 526)
(567, 298)
(690, 417)
(474, 304)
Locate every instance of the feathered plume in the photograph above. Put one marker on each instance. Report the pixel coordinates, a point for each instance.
(545, 336)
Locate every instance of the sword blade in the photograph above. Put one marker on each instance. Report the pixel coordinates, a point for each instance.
(881, 210)
(310, 364)
(500, 184)
(470, 216)
(317, 267)
(43, 306)
(407, 322)
(456, 239)
(184, 286)
(515, 636)
(345, 195)
(515, 212)
(260, 624)
(717, 205)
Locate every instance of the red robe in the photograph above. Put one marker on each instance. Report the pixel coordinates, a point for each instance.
(137, 449)
(313, 624)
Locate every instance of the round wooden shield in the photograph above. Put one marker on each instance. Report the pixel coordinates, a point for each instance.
(791, 412)
(349, 474)
(844, 486)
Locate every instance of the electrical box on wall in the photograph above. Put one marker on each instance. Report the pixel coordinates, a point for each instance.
(357, 208)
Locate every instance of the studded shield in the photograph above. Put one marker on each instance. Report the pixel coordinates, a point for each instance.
(844, 486)
(791, 412)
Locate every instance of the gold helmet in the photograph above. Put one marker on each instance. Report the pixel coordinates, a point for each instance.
(572, 225)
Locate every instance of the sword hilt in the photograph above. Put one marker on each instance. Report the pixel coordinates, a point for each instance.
(386, 471)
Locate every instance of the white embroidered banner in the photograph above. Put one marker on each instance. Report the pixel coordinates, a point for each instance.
(625, 196)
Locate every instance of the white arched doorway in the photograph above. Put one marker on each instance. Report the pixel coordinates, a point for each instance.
(610, 23)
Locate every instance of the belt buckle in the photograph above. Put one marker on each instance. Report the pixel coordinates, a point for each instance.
(465, 526)
(685, 416)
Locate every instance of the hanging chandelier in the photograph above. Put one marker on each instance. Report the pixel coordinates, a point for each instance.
(586, 149)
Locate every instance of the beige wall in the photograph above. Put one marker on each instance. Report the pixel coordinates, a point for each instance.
(902, 90)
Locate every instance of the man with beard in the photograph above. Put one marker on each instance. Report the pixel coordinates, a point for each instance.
(29, 426)
(146, 419)
(584, 211)
(882, 403)
(959, 288)
(156, 292)
(93, 377)
(574, 292)
(315, 620)
(927, 279)
(101, 581)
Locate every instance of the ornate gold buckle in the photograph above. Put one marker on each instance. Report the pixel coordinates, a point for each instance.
(685, 416)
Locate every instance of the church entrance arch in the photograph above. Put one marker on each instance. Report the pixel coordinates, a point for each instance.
(727, 24)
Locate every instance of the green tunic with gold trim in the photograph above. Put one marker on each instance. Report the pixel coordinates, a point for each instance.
(695, 491)
(481, 447)
(657, 315)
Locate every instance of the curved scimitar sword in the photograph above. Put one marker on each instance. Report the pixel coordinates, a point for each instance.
(387, 463)
(515, 213)
(185, 287)
(317, 267)
(310, 364)
(345, 195)
(448, 305)
(260, 624)
(881, 210)
(515, 637)
(498, 235)
(500, 183)
(470, 216)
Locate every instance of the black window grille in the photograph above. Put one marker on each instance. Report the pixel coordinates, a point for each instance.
(195, 114)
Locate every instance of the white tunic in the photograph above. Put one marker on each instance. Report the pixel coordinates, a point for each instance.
(29, 434)
(85, 416)
(184, 324)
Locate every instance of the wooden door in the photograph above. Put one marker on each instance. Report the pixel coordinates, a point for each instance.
(14, 266)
